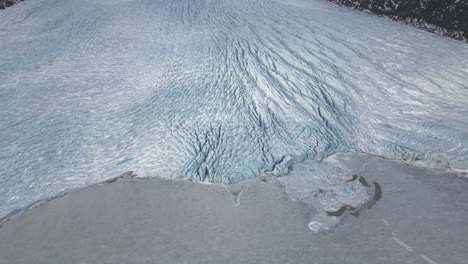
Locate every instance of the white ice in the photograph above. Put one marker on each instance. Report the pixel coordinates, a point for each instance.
(216, 90)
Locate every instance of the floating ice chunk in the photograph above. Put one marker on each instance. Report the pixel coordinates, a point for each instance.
(330, 190)
(315, 226)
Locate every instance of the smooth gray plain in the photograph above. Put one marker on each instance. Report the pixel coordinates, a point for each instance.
(421, 218)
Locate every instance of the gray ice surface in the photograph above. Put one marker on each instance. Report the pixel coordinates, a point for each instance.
(420, 219)
(215, 90)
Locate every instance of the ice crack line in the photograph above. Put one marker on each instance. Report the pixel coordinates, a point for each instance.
(405, 245)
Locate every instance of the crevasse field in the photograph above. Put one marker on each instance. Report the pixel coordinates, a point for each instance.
(218, 91)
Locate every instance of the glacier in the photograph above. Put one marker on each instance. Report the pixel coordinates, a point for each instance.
(218, 91)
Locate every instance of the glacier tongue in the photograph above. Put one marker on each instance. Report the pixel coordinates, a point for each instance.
(217, 91)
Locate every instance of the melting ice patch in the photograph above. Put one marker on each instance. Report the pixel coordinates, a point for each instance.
(331, 191)
(217, 91)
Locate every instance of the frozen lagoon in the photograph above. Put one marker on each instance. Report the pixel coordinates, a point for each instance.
(421, 218)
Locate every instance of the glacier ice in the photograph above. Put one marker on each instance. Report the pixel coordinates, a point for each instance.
(218, 91)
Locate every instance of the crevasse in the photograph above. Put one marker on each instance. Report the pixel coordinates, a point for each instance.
(215, 90)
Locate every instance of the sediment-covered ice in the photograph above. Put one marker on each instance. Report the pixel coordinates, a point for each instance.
(217, 91)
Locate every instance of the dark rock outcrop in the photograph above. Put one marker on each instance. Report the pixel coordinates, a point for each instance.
(445, 17)
(7, 3)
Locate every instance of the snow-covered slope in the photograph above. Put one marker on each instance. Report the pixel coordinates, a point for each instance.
(448, 17)
(215, 90)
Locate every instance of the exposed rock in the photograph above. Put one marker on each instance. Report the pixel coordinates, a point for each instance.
(448, 18)
(7, 3)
